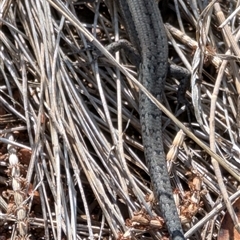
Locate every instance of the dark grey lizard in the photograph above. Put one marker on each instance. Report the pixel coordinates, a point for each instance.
(146, 31)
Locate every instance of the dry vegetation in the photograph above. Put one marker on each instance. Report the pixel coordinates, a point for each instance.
(71, 158)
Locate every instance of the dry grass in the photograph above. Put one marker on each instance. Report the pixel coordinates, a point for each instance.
(71, 159)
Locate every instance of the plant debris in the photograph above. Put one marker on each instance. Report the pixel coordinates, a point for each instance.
(71, 157)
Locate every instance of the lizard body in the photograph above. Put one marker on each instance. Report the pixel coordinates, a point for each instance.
(146, 31)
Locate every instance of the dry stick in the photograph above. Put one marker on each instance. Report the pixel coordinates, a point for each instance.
(188, 12)
(230, 17)
(203, 29)
(58, 6)
(3, 204)
(227, 34)
(213, 146)
(179, 18)
(229, 39)
(178, 50)
(70, 217)
(119, 106)
(230, 129)
(4, 8)
(13, 143)
(119, 115)
(54, 103)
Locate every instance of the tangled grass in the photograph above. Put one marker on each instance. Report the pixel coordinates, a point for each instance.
(71, 159)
